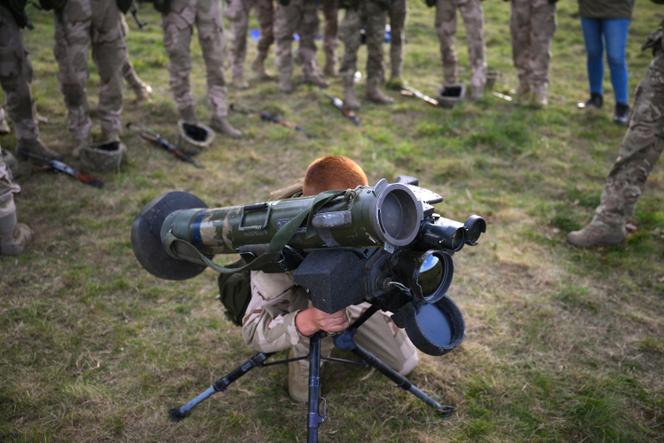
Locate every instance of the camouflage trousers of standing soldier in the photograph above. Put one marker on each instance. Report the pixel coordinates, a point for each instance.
(641, 147)
(178, 25)
(15, 77)
(397, 16)
(238, 12)
(299, 16)
(371, 15)
(446, 27)
(80, 25)
(532, 23)
(330, 10)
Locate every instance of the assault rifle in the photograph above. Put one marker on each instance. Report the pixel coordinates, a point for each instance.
(64, 168)
(159, 141)
(345, 111)
(272, 118)
(407, 91)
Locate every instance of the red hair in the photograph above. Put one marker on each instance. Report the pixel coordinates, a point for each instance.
(333, 172)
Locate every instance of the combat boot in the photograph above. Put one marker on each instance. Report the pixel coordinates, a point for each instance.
(350, 98)
(27, 149)
(142, 91)
(298, 379)
(329, 70)
(222, 126)
(375, 95)
(540, 97)
(476, 92)
(188, 114)
(597, 233)
(286, 84)
(314, 78)
(258, 67)
(17, 169)
(4, 126)
(14, 237)
(523, 93)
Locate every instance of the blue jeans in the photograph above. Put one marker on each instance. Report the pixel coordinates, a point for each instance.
(612, 34)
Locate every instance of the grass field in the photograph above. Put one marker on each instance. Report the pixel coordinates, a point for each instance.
(561, 344)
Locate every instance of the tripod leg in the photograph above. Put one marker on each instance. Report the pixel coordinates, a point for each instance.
(314, 419)
(220, 385)
(400, 380)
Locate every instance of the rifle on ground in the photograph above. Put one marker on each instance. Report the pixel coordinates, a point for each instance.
(161, 142)
(64, 168)
(407, 91)
(345, 111)
(272, 118)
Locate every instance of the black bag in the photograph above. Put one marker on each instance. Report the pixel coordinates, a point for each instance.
(124, 5)
(163, 6)
(235, 292)
(52, 5)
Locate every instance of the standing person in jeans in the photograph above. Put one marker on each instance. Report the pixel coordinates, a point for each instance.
(605, 25)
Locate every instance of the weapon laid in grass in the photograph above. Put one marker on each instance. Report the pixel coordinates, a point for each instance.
(272, 118)
(407, 91)
(162, 143)
(502, 96)
(64, 168)
(345, 111)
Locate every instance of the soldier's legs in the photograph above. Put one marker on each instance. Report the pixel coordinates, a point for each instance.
(641, 148)
(177, 39)
(397, 13)
(350, 34)
(380, 336)
(445, 24)
(330, 35)
(543, 27)
(473, 18)
(14, 236)
(109, 53)
(374, 16)
(287, 21)
(239, 28)
(308, 30)
(521, 31)
(265, 17)
(73, 29)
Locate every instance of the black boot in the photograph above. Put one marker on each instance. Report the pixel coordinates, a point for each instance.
(621, 115)
(594, 102)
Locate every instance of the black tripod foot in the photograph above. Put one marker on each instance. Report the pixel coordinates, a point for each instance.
(176, 415)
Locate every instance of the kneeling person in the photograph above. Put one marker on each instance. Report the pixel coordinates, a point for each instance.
(280, 316)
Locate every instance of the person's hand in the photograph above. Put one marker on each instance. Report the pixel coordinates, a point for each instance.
(312, 320)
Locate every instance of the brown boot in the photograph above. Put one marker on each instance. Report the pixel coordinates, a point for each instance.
(35, 149)
(375, 95)
(221, 125)
(540, 97)
(350, 98)
(523, 93)
(597, 233)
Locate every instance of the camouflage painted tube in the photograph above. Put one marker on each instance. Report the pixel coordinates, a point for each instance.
(366, 216)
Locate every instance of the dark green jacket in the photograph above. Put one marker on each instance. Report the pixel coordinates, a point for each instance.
(606, 8)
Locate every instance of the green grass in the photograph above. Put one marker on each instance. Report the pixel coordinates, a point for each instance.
(561, 344)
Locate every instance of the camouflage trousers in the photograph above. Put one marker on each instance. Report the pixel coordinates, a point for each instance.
(446, 27)
(128, 72)
(640, 149)
(397, 16)
(15, 77)
(371, 15)
(7, 190)
(299, 16)
(378, 335)
(178, 25)
(532, 23)
(330, 10)
(238, 12)
(81, 25)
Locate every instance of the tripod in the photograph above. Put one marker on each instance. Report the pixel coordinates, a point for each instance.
(344, 341)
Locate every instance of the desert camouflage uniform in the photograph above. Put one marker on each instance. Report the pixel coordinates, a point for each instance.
(642, 145)
(532, 23)
(299, 16)
(446, 27)
(82, 24)
(269, 324)
(178, 25)
(330, 34)
(397, 15)
(238, 12)
(15, 77)
(370, 14)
